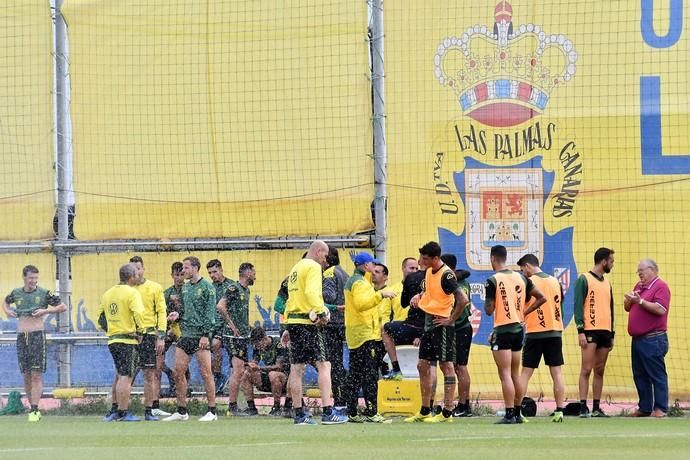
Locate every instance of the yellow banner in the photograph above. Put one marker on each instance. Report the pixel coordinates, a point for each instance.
(549, 127)
(27, 191)
(220, 118)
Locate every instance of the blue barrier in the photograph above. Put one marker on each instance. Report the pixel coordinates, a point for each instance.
(92, 367)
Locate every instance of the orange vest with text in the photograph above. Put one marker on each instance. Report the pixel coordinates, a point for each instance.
(434, 300)
(548, 317)
(597, 307)
(510, 298)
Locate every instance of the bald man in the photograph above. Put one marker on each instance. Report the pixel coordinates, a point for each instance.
(305, 315)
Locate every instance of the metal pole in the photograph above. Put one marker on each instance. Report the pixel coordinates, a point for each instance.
(64, 182)
(379, 121)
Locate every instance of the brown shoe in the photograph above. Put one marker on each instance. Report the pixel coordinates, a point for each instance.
(658, 413)
(639, 413)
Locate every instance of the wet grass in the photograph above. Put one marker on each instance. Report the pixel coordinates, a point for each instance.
(74, 437)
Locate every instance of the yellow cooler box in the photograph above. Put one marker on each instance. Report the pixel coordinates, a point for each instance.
(402, 397)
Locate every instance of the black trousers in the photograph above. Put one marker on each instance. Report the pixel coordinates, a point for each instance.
(364, 375)
(335, 338)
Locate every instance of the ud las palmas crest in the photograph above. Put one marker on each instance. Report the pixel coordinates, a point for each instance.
(506, 167)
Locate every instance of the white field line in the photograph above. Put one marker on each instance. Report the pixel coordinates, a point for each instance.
(558, 436)
(198, 446)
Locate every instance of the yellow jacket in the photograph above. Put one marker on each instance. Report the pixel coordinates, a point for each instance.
(385, 309)
(305, 292)
(362, 322)
(155, 317)
(399, 313)
(124, 313)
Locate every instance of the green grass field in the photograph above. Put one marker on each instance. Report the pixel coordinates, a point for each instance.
(261, 437)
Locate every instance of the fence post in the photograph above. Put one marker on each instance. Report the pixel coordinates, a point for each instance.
(63, 153)
(379, 121)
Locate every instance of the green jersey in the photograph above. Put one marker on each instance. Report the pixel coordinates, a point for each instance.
(170, 304)
(221, 288)
(28, 302)
(237, 298)
(199, 303)
(464, 319)
(273, 355)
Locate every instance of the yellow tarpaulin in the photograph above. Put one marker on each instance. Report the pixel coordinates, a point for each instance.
(220, 118)
(549, 127)
(27, 188)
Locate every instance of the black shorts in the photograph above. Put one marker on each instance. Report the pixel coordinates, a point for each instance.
(438, 344)
(463, 342)
(168, 343)
(265, 384)
(307, 344)
(31, 351)
(507, 341)
(125, 358)
(603, 339)
(189, 345)
(549, 347)
(147, 352)
(402, 333)
(237, 348)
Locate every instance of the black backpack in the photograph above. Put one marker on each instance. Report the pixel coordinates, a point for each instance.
(529, 407)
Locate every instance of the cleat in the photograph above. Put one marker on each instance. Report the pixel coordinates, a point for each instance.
(506, 421)
(394, 375)
(438, 418)
(462, 411)
(437, 410)
(250, 412)
(356, 419)
(35, 416)
(520, 419)
(417, 418)
(304, 420)
(236, 412)
(160, 413)
(129, 417)
(209, 417)
(557, 417)
(111, 416)
(584, 412)
(378, 418)
(149, 417)
(177, 417)
(598, 413)
(275, 412)
(333, 419)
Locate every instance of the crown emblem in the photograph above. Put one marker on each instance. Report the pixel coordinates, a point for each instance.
(503, 77)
